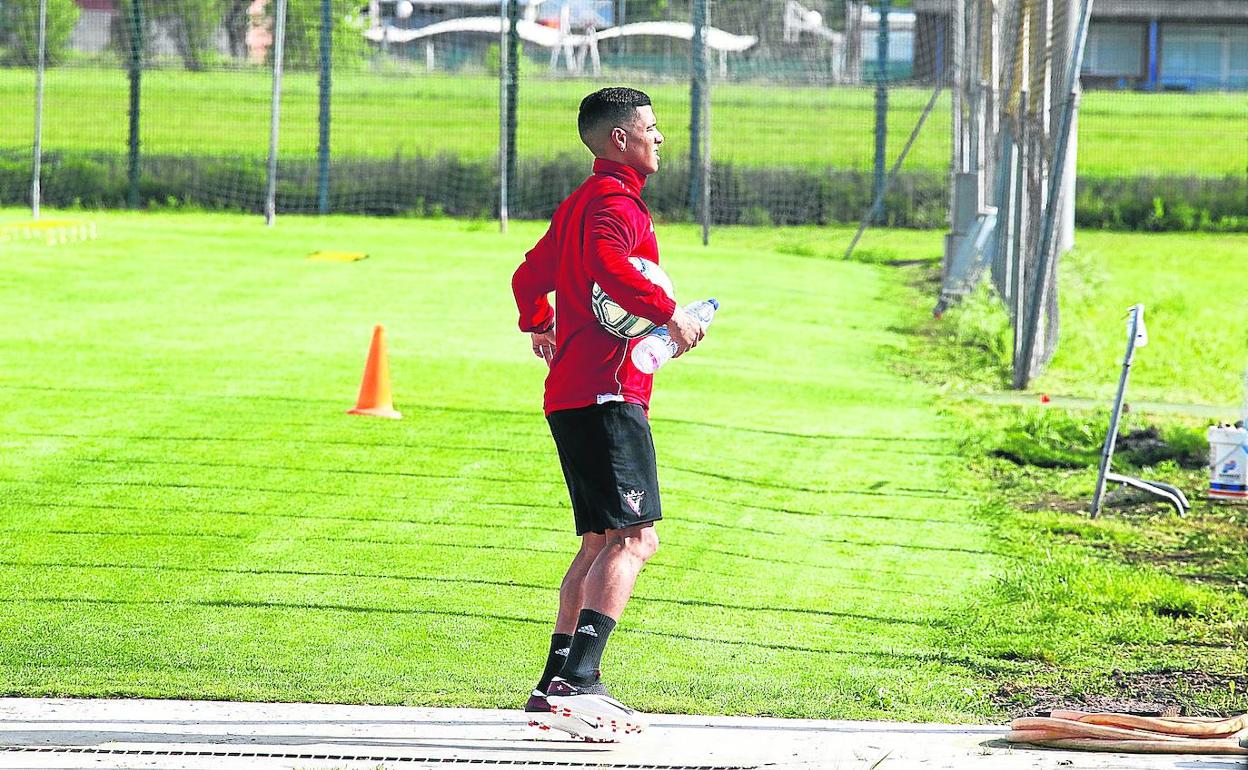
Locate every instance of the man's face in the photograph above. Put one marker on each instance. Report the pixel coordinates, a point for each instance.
(640, 140)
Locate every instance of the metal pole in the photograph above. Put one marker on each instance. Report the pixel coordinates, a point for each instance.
(697, 117)
(1243, 409)
(275, 112)
(37, 166)
(322, 156)
(1107, 451)
(1044, 249)
(505, 22)
(881, 108)
(892, 174)
(706, 173)
(513, 97)
(958, 22)
(136, 73)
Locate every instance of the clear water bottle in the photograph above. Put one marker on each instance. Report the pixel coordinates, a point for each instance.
(656, 348)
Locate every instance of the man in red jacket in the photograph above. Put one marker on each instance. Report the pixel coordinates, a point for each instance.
(596, 401)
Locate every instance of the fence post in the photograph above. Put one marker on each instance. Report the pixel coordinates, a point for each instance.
(504, 17)
(699, 125)
(37, 164)
(513, 89)
(881, 108)
(136, 74)
(1045, 247)
(957, 23)
(322, 155)
(275, 112)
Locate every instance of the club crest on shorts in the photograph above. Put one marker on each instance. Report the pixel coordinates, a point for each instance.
(633, 498)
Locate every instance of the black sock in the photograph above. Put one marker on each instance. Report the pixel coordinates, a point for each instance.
(585, 654)
(559, 644)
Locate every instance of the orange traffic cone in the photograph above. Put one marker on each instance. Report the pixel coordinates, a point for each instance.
(374, 396)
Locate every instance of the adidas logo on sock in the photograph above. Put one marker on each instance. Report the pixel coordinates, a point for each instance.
(587, 630)
(563, 652)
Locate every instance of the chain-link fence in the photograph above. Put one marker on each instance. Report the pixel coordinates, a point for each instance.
(401, 107)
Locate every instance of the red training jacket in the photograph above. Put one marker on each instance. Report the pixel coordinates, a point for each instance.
(591, 236)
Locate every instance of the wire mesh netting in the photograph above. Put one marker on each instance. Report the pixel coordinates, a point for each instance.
(399, 110)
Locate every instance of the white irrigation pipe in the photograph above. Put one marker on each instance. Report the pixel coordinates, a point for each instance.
(275, 115)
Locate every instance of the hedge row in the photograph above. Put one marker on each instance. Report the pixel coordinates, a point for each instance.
(447, 185)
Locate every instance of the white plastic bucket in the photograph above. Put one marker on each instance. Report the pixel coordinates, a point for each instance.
(1228, 464)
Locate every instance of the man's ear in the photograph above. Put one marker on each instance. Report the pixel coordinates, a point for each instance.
(619, 138)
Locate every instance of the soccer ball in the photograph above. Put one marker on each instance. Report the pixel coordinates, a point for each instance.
(403, 9)
(619, 321)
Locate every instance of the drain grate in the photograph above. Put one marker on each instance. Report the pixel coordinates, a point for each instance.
(522, 763)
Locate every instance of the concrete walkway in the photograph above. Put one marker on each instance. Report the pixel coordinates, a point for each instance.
(38, 733)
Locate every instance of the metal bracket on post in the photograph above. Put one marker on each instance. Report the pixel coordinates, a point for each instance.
(1137, 336)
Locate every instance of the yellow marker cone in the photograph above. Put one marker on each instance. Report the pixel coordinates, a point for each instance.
(374, 399)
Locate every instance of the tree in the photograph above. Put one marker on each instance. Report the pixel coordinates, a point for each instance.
(21, 19)
(303, 33)
(237, 21)
(193, 25)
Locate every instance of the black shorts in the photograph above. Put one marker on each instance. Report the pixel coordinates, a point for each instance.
(607, 455)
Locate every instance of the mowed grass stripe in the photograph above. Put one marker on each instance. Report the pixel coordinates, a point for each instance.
(208, 526)
(835, 515)
(685, 553)
(870, 443)
(206, 440)
(728, 525)
(58, 396)
(260, 571)
(443, 459)
(348, 609)
(135, 471)
(330, 591)
(883, 488)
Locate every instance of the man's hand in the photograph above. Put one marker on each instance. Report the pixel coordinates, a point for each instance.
(685, 330)
(544, 345)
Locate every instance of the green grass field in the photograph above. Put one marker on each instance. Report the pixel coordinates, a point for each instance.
(418, 114)
(1195, 306)
(188, 512)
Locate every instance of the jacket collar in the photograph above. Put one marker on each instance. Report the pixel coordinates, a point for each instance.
(630, 176)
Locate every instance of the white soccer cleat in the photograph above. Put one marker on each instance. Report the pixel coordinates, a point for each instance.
(590, 713)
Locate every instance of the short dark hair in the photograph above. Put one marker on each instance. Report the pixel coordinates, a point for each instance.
(608, 105)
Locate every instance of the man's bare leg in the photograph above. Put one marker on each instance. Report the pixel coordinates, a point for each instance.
(571, 598)
(609, 582)
(580, 703)
(572, 591)
(606, 589)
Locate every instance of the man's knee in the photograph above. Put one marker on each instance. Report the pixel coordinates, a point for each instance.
(592, 544)
(641, 541)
